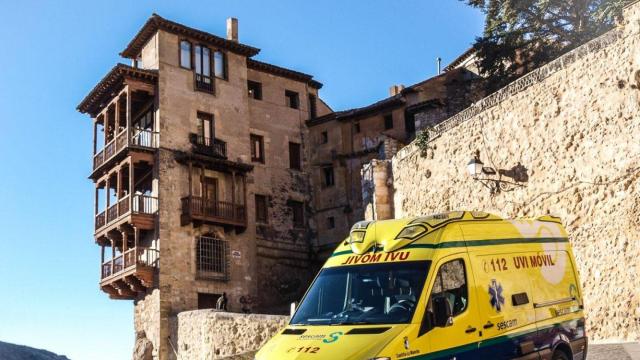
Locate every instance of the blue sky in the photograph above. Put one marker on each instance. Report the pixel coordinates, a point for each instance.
(55, 52)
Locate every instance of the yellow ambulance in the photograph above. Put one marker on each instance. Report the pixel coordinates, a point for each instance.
(459, 285)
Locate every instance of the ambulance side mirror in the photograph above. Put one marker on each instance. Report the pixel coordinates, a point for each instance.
(292, 309)
(442, 312)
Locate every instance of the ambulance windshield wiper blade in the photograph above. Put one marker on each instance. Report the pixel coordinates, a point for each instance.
(351, 323)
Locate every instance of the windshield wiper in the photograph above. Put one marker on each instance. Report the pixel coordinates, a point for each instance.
(350, 323)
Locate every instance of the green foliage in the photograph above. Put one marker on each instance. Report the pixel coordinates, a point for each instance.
(422, 141)
(521, 35)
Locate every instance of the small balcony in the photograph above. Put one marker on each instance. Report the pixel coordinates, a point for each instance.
(217, 212)
(129, 274)
(139, 210)
(203, 83)
(208, 146)
(141, 139)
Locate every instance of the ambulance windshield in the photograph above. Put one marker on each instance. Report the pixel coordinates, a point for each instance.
(364, 294)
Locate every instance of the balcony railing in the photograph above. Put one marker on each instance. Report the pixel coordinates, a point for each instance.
(131, 258)
(204, 83)
(208, 146)
(140, 204)
(215, 211)
(140, 138)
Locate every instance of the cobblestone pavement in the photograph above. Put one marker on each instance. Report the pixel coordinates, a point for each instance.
(629, 351)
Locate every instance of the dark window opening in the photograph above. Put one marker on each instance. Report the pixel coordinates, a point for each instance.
(329, 179)
(295, 158)
(211, 258)
(324, 137)
(297, 210)
(261, 209)
(257, 148)
(207, 301)
(292, 99)
(331, 222)
(356, 127)
(313, 110)
(185, 54)
(255, 89)
(388, 122)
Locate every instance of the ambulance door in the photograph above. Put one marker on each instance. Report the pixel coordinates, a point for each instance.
(505, 305)
(451, 319)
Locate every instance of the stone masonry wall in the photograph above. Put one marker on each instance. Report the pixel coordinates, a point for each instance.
(574, 125)
(210, 334)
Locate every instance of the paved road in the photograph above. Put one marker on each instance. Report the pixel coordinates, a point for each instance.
(629, 351)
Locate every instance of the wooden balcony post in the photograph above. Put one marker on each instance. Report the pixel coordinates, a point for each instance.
(128, 94)
(124, 241)
(108, 192)
(96, 198)
(102, 261)
(105, 127)
(131, 184)
(119, 184)
(95, 136)
(113, 255)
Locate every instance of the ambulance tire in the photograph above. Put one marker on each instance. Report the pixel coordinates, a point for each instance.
(559, 355)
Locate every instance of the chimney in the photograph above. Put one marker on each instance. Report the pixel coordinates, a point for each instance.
(232, 29)
(395, 90)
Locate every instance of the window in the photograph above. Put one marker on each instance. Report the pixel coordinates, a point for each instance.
(220, 64)
(297, 210)
(329, 179)
(388, 122)
(205, 129)
(261, 209)
(185, 54)
(324, 137)
(203, 69)
(356, 127)
(255, 89)
(292, 99)
(294, 156)
(331, 222)
(257, 148)
(313, 110)
(211, 257)
(450, 287)
(207, 301)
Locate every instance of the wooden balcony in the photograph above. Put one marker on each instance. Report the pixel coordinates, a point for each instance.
(208, 146)
(196, 208)
(140, 139)
(139, 210)
(130, 274)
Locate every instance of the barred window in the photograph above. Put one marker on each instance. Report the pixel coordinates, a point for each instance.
(211, 256)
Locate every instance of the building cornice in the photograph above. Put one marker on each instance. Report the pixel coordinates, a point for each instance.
(157, 22)
(284, 72)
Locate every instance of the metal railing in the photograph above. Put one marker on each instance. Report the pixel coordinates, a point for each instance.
(222, 211)
(141, 138)
(208, 146)
(204, 83)
(129, 259)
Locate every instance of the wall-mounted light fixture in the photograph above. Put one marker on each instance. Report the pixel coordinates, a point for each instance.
(492, 178)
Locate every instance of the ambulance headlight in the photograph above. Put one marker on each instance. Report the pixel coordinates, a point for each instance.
(411, 232)
(356, 237)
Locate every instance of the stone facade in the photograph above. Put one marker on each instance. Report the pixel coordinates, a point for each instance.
(209, 334)
(262, 266)
(346, 140)
(572, 128)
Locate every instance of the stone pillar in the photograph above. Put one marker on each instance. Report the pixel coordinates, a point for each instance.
(377, 190)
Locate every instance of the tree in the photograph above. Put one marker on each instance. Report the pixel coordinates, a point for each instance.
(521, 35)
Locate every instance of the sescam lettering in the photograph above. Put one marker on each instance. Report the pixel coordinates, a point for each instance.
(372, 258)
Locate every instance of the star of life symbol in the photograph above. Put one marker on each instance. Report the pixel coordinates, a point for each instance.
(495, 293)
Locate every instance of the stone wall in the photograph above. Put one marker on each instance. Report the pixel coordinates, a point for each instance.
(574, 127)
(210, 334)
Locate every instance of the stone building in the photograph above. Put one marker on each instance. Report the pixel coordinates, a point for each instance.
(344, 141)
(200, 165)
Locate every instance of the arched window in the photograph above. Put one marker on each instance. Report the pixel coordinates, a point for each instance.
(212, 258)
(185, 54)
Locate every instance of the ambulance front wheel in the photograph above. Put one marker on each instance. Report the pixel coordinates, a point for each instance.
(559, 355)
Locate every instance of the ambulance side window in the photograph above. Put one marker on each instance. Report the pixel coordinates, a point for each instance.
(450, 286)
